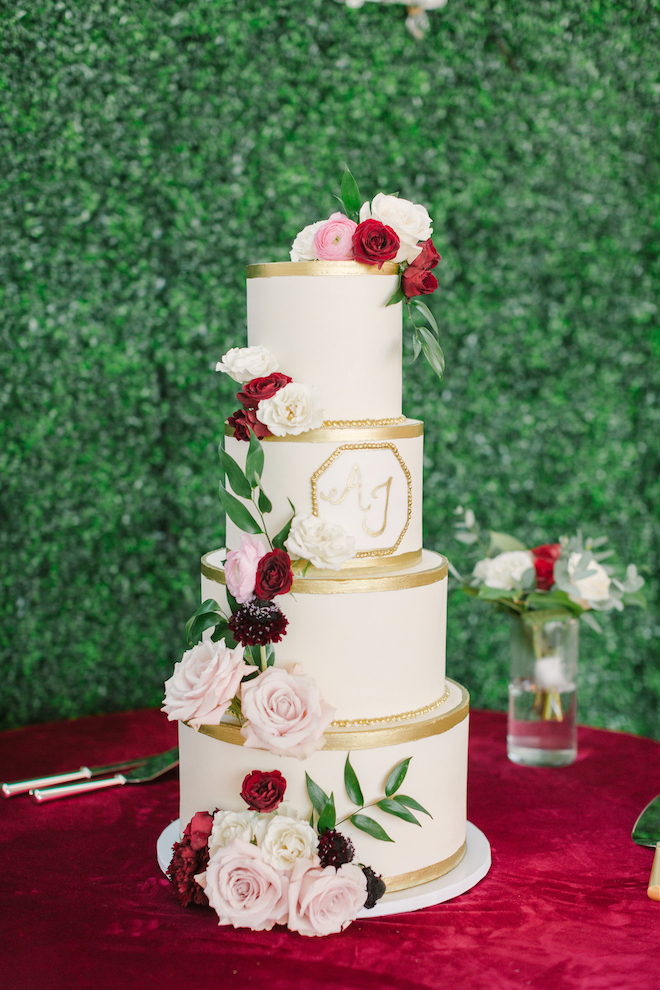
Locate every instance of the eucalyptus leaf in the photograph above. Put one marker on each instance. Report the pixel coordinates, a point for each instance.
(591, 621)
(254, 462)
(493, 594)
(432, 350)
(237, 512)
(397, 777)
(634, 598)
(283, 535)
(328, 817)
(411, 803)
(372, 828)
(317, 796)
(239, 483)
(350, 194)
(392, 807)
(353, 788)
(466, 537)
(528, 580)
(502, 541)
(426, 312)
(265, 504)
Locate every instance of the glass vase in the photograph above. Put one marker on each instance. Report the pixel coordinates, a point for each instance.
(542, 690)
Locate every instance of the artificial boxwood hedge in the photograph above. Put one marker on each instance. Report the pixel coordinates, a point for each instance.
(152, 148)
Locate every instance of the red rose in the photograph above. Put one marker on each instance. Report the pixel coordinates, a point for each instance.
(428, 257)
(245, 420)
(263, 791)
(261, 388)
(191, 856)
(544, 564)
(374, 243)
(274, 575)
(418, 282)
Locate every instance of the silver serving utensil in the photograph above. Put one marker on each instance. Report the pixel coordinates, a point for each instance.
(646, 832)
(154, 767)
(83, 773)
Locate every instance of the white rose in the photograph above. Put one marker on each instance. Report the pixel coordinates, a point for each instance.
(303, 248)
(410, 222)
(293, 409)
(203, 683)
(245, 363)
(550, 675)
(324, 544)
(230, 825)
(504, 571)
(286, 840)
(595, 587)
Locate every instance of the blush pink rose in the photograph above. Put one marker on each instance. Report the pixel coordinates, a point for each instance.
(243, 890)
(241, 568)
(285, 713)
(203, 683)
(324, 900)
(333, 241)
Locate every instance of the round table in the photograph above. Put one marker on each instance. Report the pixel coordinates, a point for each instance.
(564, 906)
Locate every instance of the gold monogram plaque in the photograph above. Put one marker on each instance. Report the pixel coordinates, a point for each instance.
(367, 489)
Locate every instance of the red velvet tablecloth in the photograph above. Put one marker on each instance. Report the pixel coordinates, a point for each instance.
(564, 907)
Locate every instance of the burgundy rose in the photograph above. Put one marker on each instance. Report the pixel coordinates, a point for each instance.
(263, 791)
(245, 420)
(190, 856)
(374, 243)
(261, 388)
(257, 623)
(274, 575)
(544, 564)
(418, 282)
(428, 257)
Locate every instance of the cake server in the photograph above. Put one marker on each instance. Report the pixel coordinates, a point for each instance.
(646, 832)
(153, 767)
(83, 773)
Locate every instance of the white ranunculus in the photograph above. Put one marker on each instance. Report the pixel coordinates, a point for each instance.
(293, 409)
(230, 825)
(287, 839)
(245, 363)
(203, 683)
(410, 222)
(303, 248)
(324, 544)
(504, 571)
(595, 587)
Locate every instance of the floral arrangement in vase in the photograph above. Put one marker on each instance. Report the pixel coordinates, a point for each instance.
(267, 866)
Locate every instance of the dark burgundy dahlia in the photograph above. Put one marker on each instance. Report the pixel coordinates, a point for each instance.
(335, 849)
(257, 623)
(189, 857)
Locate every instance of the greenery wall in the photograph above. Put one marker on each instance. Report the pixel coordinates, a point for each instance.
(152, 148)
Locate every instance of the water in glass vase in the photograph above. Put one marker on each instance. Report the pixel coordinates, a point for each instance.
(542, 690)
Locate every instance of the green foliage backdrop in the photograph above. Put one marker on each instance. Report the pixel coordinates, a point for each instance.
(152, 148)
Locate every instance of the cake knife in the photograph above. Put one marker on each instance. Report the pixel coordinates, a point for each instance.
(646, 832)
(153, 767)
(83, 773)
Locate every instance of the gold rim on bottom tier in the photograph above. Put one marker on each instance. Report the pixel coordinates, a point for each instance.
(417, 877)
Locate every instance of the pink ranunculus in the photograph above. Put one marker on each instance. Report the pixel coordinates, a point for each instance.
(243, 890)
(285, 713)
(203, 683)
(334, 240)
(241, 568)
(324, 900)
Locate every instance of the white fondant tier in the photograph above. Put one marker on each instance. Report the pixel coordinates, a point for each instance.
(213, 770)
(375, 644)
(367, 480)
(334, 331)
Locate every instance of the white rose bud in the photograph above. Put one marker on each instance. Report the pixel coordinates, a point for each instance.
(245, 363)
(324, 544)
(293, 409)
(231, 825)
(591, 589)
(504, 571)
(410, 221)
(303, 248)
(286, 840)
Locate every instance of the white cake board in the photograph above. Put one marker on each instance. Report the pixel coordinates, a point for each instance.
(473, 867)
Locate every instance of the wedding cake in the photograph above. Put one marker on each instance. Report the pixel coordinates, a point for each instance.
(323, 750)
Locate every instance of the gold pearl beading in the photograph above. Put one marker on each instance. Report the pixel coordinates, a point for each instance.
(347, 424)
(416, 713)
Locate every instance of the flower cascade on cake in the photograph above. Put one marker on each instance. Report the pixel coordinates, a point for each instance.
(268, 866)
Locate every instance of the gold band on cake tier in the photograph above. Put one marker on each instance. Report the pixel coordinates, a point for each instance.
(355, 585)
(340, 434)
(365, 565)
(319, 268)
(342, 741)
(416, 877)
